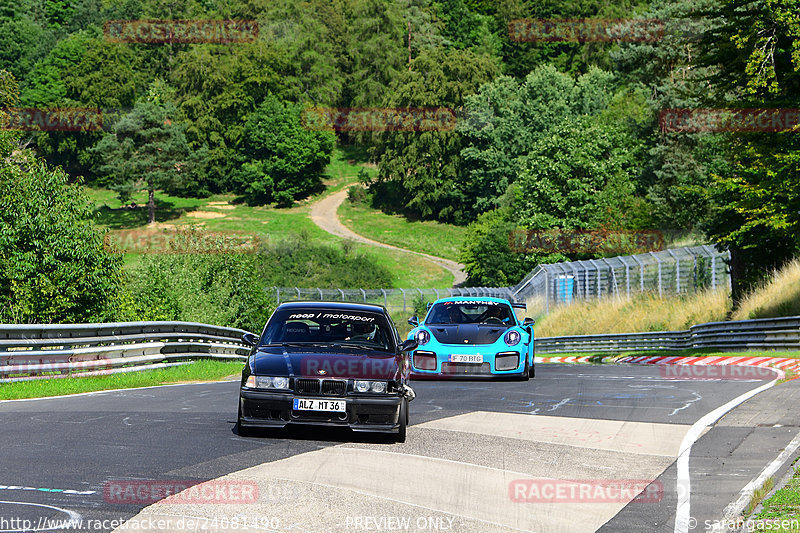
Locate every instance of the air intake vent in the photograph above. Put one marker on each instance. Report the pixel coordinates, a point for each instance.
(307, 386)
(334, 387)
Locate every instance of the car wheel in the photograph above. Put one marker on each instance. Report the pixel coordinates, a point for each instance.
(241, 430)
(526, 373)
(532, 371)
(403, 421)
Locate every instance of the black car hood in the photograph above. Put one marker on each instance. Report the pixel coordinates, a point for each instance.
(466, 333)
(322, 362)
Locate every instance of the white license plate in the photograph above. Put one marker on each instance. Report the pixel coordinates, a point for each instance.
(466, 358)
(336, 406)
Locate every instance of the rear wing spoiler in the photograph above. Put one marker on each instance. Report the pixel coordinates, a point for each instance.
(520, 305)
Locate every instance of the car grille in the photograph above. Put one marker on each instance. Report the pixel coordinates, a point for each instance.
(330, 387)
(306, 386)
(333, 386)
(465, 368)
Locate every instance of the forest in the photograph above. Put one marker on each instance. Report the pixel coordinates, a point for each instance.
(562, 133)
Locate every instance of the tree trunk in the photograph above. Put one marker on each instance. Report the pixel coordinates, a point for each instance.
(151, 207)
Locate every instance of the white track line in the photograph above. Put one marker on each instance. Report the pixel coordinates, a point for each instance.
(682, 512)
(736, 507)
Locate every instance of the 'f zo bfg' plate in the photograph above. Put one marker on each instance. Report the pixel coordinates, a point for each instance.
(337, 406)
(466, 358)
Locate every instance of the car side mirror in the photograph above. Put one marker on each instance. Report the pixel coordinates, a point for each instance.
(414, 321)
(528, 322)
(408, 345)
(250, 339)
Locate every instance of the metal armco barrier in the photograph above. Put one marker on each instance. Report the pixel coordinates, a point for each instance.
(36, 351)
(742, 335)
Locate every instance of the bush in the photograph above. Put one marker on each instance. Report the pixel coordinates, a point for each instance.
(214, 288)
(357, 194)
(53, 264)
(297, 262)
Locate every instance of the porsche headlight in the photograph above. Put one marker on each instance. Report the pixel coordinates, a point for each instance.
(512, 337)
(422, 337)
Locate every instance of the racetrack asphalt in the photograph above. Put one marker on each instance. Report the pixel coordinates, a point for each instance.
(469, 442)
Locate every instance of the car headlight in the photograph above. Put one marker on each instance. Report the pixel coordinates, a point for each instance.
(422, 337)
(280, 383)
(267, 382)
(370, 386)
(512, 337)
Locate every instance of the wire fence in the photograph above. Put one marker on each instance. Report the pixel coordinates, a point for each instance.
(668, 272)
(394, 300)
(673, 271)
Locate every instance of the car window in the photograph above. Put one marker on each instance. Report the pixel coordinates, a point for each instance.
(471, 312)
(330, 326)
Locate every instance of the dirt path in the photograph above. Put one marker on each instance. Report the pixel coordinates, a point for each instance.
(323, 213)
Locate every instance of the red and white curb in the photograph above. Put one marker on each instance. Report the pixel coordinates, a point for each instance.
(780, 363)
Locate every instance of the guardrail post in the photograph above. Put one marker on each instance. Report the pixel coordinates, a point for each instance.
(677, 271)
(404, 299)
(546, 293)
(278, 294)
(385, 302)
(660, 291)
(364, 294)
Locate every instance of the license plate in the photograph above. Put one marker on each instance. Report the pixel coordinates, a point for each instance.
(466, 358)
(336, 406)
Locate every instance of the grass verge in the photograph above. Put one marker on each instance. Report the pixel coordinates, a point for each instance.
(782, 509)
(430, 237)
(642, 312)
(778, 295)
(200, 370)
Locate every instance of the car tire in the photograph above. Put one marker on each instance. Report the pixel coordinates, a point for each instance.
(403, 421)
(241, 430)
(532, 372)
(525, 376)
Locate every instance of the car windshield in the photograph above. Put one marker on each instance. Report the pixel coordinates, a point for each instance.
(471, 312)
(329, 326)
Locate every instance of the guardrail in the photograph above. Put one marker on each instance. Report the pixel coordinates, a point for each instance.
(40, 351)
(742, 335)
(56, 350)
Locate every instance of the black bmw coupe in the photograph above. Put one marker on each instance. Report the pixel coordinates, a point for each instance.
(327, 364)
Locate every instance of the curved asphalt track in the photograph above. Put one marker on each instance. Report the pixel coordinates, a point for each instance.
(467, 442)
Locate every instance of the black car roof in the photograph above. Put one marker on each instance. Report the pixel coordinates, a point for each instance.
(343, 306)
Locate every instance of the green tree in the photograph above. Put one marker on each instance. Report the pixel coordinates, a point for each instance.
(278, 158)
(53, 263)
(754, 58)
(146, 151)
(422, 167)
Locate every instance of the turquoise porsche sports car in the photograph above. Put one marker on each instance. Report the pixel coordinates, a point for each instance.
(472, 337)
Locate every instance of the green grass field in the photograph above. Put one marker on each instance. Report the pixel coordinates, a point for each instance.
(200, 370)
(222, 213)
(430, 237)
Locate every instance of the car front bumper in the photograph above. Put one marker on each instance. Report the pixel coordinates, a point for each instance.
(272, 409)
(437, 365)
